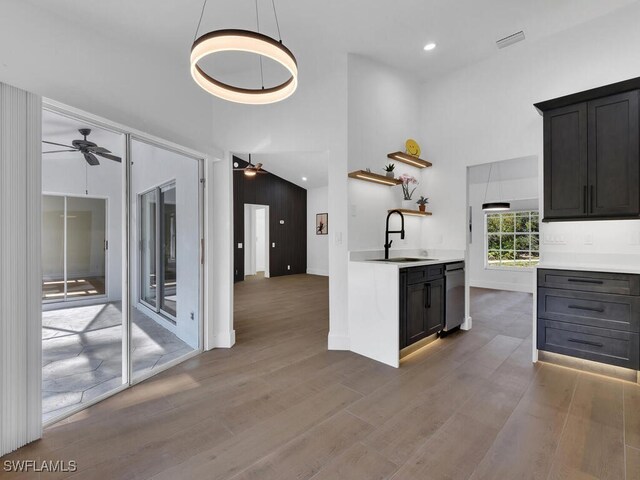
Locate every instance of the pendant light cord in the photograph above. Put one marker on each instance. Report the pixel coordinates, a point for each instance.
(275, 14)
(204, 5)
(259, 56)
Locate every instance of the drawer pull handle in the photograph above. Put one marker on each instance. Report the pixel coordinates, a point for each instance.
(589, 309)
(583, 280)
(586, 342)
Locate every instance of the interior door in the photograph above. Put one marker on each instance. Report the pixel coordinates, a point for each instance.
(614, 156)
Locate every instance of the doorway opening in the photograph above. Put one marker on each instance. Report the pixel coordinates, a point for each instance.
(503, 246)
(256, 240)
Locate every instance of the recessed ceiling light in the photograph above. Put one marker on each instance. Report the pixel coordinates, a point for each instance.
(304, 179)
(429, 46)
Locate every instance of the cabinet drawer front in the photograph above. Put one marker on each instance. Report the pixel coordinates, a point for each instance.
(619, 283)
(416, 275)
(597, 344)
(435, 272)
(615, 312)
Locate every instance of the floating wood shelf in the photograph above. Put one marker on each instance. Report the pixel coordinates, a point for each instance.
(409, 159)
(416, 213)
(375, 178)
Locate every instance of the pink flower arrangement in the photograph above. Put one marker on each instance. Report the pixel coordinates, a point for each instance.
(406, 181)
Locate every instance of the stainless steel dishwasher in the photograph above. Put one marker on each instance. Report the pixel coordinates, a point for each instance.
(454, 301)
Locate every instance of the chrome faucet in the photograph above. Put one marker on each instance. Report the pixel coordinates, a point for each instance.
(387, 244)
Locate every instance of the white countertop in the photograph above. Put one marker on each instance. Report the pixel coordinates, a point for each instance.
(427, 261)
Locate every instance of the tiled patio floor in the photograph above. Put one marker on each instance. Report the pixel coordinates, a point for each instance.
(82, 353)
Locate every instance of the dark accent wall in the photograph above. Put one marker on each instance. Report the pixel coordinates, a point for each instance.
(287, 202)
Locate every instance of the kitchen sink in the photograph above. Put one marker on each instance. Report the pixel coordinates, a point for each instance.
(404, 260)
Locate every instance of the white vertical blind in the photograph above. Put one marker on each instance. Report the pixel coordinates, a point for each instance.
(20, 271)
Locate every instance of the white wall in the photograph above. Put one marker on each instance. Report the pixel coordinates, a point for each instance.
(317, 245)
(485, 113)
(152, 167)
(66, 175)
(522, 192)
(383, 112)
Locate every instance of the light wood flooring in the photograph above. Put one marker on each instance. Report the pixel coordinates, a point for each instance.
(280, 406)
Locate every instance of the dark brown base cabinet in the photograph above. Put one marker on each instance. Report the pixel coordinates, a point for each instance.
(592, 154)
(422, 302)
(590, 315)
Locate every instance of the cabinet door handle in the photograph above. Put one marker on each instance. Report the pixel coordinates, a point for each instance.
(591, 195)
(584, 280)
(584, 199)
(586, 342)
(589, 309)
(428, 285)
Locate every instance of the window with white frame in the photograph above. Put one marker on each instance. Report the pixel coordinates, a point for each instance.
(512, 239)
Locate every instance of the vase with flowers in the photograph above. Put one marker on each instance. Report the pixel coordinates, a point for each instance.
(407, 191)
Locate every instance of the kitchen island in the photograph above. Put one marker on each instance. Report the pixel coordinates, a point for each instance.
(380, 296)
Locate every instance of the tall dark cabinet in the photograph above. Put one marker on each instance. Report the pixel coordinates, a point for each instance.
(592, 154)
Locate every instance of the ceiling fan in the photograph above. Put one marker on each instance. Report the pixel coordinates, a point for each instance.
(251, 170)
(87, 148)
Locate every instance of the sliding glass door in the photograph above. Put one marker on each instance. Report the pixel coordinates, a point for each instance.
(166, 256)
(122, 263)
(158, 250)
(74, 247)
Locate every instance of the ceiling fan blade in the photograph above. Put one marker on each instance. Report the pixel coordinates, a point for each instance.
(91, 159)
(109, 156)
(98, 150)
(59, 151)
(58, 144)
(262, 171)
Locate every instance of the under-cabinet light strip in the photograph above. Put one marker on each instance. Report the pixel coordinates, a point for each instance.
(372, 179)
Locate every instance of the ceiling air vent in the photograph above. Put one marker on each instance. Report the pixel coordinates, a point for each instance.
(510, 40)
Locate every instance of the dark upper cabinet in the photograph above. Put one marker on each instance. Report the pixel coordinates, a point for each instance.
(614, 156)
(565, 162)
(592, 154)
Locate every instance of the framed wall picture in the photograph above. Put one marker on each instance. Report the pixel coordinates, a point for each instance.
(322, 223)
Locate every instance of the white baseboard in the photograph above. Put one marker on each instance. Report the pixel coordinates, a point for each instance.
(512, 287)
(338, 342)
(223, 340)
(317, 271)
(467, 324)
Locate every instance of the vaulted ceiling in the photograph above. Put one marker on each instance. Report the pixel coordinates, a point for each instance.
(393, 32)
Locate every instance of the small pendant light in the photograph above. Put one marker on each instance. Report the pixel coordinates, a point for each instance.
(498, 206)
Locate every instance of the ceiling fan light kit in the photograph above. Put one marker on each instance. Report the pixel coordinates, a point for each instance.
(236, 40)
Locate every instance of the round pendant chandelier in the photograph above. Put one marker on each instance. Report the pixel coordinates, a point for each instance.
(235, 40)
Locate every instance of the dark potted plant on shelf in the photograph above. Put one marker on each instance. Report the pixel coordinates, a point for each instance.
(422, 203)
(389, 169)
